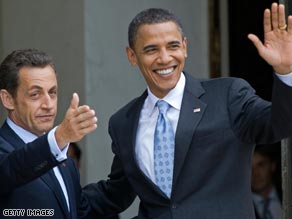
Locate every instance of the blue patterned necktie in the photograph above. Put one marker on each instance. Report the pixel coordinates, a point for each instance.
(163, 149)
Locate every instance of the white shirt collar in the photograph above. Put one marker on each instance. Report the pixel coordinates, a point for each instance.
(25, 135)
(173, 98)
(272, 195)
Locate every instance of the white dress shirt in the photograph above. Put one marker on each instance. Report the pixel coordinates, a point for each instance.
(59, 155)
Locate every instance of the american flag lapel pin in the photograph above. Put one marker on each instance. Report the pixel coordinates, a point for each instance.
(197, 110)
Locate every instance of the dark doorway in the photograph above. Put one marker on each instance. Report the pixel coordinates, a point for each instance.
(247, 17)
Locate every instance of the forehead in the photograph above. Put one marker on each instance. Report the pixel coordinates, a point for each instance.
(257, 158)
(147, 31)
(37, 76)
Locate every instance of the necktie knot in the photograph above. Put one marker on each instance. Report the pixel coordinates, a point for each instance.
(162, 106)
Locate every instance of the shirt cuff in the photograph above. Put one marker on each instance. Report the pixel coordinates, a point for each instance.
(286, 79)
(60, 155)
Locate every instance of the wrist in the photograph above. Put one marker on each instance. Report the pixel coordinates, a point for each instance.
(60, 138)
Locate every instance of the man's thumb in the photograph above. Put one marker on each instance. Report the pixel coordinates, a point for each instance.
(75, 101)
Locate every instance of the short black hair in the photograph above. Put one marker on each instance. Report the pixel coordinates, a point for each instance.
(266, 150)
(151, 16)
(11, 65)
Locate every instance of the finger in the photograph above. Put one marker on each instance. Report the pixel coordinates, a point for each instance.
(86, 116)
(282, 19)
(82, 132)
(88, 123)
(88, 129)
(256, 41)
(289, 25)
(275, 18)
(83, 109)
(267, 21)
(74, 101)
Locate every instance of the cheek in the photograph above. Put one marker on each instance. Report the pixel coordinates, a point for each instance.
(182, 59)
(146, 61)
(147, 73)
(23, 109)
(55, 103)
(32, 110)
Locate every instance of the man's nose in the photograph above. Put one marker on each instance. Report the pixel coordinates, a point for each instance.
(164, 56)
(47, 101)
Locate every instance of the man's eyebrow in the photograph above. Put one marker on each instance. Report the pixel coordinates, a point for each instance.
(174, 42)
(149, 47)
(37, 87)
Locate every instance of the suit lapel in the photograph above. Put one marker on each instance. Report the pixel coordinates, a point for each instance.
(52, 182)
(192, 110)
(70, 188)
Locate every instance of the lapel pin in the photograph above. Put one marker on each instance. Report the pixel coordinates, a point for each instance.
(63, 164)
(197, 110)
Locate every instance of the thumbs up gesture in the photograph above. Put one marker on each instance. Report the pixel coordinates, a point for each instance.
(78, 122)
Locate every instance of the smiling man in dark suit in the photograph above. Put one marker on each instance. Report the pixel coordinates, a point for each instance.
(37, 179)
(185, 145)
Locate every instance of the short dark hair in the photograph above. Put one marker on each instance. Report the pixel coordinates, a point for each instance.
(11, 65)
(266, 150)
(151, 16)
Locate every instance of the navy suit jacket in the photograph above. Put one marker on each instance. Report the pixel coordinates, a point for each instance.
(213, 150)
(28, 182)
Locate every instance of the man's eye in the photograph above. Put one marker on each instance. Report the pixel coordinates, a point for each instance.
(174, 46)
(53, 93)
(149, 50)
(34, 94)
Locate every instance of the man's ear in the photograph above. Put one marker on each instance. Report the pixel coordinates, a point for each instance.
(131, 56)
(7, 99)
(185, 47)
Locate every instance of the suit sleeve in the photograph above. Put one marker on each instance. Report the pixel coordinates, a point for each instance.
(256, 120)
(112, 196)
(20, 166)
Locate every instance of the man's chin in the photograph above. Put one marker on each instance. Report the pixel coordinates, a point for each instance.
(45, 129)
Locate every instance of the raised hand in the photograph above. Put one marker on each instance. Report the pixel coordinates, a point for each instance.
(277, 47)
(78, 122)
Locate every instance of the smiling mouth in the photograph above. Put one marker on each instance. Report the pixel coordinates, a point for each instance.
(164, 71)
(46, 117)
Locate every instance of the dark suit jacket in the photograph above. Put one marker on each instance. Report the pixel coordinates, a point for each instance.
(213, 150)
(27, 179)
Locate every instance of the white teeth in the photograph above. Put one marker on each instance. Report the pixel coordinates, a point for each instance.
(165, 71)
